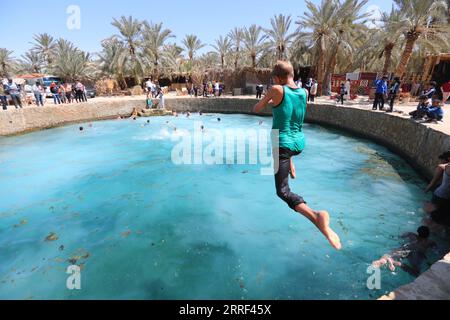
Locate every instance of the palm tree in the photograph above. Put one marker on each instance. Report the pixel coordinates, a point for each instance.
(223, 47)
(155, 37)
(130, 36)
(422, 19)
(321, 20)
(236, 35)
(279, 34)
(348, 34)
(31, 62)
(112, 60)
(254, 42)
(6, 62)
(366, 56)
(448, 11)
(209, 60)
(390, 32)
(173, 61)
(70, 63)
(45, 45)
(300, 53)
(192, 44)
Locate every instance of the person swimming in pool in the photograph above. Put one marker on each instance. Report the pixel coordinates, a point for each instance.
(134, 114)
(289, 110)
(414, 250)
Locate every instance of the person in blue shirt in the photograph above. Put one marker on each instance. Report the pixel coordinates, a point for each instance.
(422, 108)
(435, 112)
(380, 93)
(432, 90)
(393, 93)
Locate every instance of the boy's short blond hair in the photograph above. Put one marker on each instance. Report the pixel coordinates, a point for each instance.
(283, 70)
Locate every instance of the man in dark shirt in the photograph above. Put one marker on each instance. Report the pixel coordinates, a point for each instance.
(393, 93)
(259, 91)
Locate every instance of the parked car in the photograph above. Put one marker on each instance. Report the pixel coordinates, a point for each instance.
(46, 82)
(91, 92)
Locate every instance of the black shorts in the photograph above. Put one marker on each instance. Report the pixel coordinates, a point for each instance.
(442, 214)
(282, 179)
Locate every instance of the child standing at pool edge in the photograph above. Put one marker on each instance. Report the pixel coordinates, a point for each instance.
(289, 110)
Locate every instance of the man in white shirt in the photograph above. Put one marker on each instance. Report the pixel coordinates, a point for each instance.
(313, 91)
(216, 88)
(14, 92)
(348, 86)
(149, 85)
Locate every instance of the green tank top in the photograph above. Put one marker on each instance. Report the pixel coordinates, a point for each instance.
(288, 118)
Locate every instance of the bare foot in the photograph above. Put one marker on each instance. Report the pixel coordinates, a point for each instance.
(323, 223)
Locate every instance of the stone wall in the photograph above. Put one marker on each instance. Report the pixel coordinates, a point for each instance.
(432, 285)
(416, 143)
(37, 118)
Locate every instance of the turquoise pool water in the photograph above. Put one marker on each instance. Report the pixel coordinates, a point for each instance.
(141, 227)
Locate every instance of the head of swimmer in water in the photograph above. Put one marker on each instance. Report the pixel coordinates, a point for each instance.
(283, 73)
(423, 232)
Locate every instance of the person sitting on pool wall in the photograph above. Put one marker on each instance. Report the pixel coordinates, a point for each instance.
(289, 110)
(439, 207)
(422, 108)
(435, 112)
(444, 159)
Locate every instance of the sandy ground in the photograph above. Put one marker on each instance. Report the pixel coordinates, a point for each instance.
(400, 109)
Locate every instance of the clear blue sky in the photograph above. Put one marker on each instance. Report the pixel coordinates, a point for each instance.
(206, 19)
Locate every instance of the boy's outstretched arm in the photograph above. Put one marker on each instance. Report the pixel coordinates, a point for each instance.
(264, 102)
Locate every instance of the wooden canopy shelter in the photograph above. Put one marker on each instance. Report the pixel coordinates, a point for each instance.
(432, 61)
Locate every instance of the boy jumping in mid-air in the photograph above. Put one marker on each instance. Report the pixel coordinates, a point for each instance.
(289, 110)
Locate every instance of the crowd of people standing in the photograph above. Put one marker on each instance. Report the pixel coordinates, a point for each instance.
(68, 93)
(385, 92)
(311, 86)
(28, 94)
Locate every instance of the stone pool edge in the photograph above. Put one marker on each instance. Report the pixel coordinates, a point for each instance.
(431, 285)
